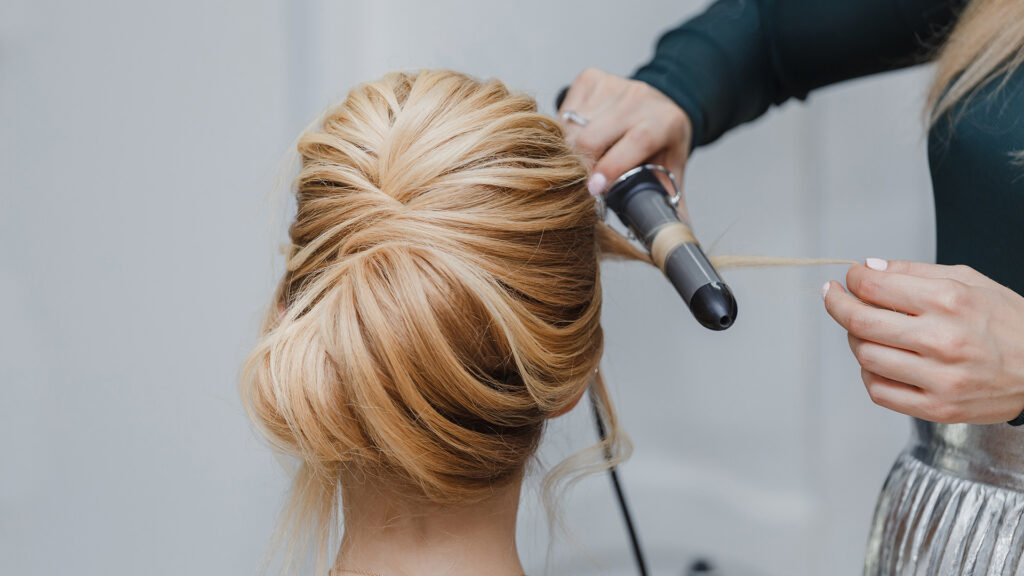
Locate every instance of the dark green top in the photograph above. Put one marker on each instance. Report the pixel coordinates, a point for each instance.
(728, 65)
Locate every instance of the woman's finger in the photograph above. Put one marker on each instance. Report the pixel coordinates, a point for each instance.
(580, 90)
(639, 143)
(964, 274)
(676, 157)
(919, 403)
(601, 133)
(585, 98)
(894, 363)
(675, 161)
(911, 294)
(870, 323)
(895, 291)
(895, 395)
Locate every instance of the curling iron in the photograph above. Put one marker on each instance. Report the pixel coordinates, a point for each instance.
(646, 208)
(643, 205)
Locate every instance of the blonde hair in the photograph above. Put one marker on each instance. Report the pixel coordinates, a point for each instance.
(441, 301)
(988, 41)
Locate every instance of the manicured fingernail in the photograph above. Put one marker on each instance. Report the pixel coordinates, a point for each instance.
(824, 289)
(596, 184)
(876, 264)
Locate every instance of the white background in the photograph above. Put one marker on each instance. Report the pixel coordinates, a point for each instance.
(139, 142)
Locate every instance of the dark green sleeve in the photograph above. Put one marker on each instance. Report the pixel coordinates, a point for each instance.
(729, 64)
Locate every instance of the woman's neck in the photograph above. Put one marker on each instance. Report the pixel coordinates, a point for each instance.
(391, 536)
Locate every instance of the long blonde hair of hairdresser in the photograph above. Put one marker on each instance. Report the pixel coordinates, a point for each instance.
(988, 41)
(441, 299)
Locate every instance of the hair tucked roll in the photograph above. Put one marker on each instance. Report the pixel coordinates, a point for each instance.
(441, 299)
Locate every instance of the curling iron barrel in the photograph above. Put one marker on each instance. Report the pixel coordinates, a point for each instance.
(642, 204)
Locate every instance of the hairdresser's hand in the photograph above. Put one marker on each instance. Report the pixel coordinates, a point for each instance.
(630, 123)
(941, 343)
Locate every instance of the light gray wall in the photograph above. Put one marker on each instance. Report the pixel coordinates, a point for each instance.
(139, 144)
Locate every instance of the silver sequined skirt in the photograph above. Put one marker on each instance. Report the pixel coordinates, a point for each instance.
(953, 504)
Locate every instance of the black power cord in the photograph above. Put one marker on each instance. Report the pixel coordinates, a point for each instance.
(638, 553)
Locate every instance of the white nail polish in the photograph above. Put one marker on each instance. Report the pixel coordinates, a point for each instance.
(876, 264)
(596, 184)
(824, 289)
